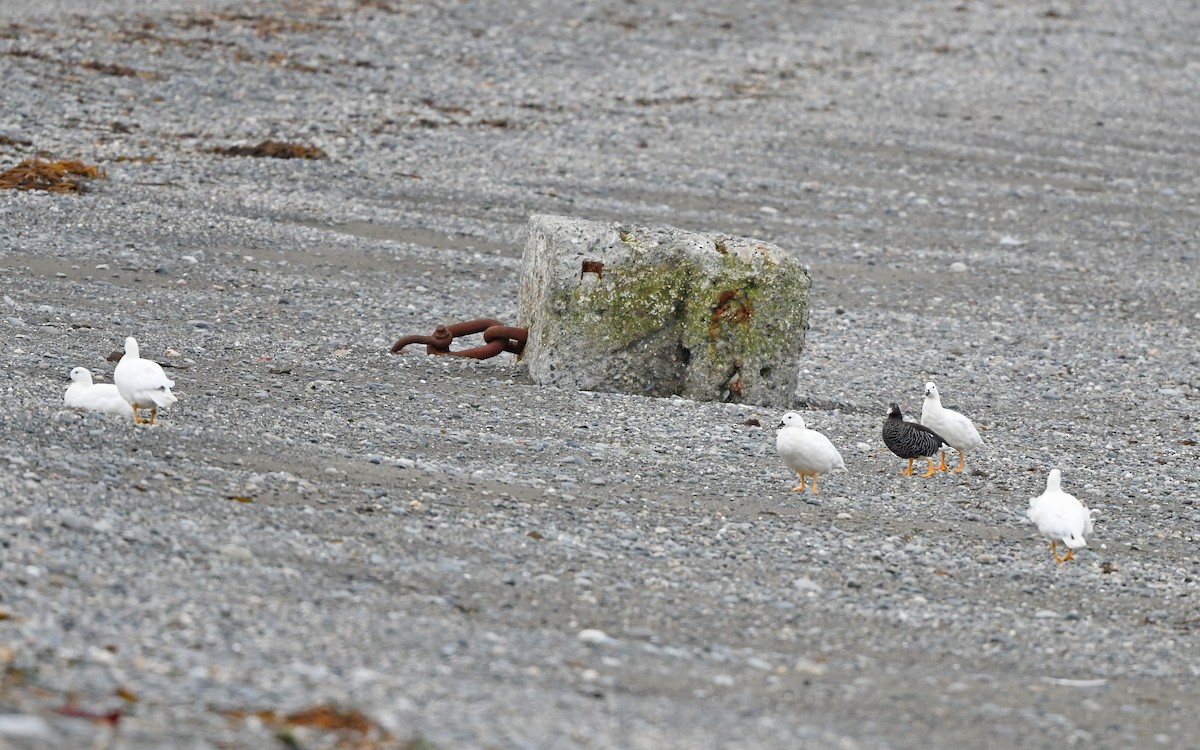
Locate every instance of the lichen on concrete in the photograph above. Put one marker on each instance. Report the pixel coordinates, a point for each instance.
(742, 321)
(631, 302)
(661, 311)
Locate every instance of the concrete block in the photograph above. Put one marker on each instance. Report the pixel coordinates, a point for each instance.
(660, 311)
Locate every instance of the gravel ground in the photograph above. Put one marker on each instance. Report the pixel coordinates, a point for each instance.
(1002, 198)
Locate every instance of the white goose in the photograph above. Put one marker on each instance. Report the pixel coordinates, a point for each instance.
(952, 427)
(142, 383)
(82, 393)
(1060, 517)
(805, 451)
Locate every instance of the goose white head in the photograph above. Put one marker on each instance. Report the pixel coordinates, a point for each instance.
(791, 419)
(131, 348)
(81, 375)
(931, 392)
(1054, 481)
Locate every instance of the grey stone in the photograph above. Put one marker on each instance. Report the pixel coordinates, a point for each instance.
(23, 725)
(659, 311)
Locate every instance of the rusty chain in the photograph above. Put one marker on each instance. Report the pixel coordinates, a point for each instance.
(497, 337)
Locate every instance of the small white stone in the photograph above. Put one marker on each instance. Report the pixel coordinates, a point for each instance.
(23, 725)
(237, 552)
(808, 666)
(958, 267)
(102, 656)
(593, 636)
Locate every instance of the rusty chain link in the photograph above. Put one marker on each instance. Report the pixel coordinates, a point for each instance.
(497, 337)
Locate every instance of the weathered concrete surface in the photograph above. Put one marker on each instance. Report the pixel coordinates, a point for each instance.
(660, 311)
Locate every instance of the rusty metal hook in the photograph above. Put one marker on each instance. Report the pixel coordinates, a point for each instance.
(498, 338)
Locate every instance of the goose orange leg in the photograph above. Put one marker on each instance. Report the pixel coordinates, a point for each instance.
(942, 465)
(932, 468)
(962, 463)
(1054, 551)
(803, 476)
(907, 472)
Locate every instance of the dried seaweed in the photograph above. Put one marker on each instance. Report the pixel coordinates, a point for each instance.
(348, 727)
(273, 150)
(263, 25)
(328, 717)
(380, 5)
(109, 69)
(61, 176)
(19, 52)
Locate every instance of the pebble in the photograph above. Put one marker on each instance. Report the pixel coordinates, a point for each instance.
(237, 552)
(809, 667)
(24, 726)
(72, 520)
(594, 637)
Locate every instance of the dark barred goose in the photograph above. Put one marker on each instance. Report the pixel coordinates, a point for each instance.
(910, 440)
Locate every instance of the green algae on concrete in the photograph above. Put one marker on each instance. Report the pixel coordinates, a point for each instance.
(661, 311)
(630, 302)
(744, 321)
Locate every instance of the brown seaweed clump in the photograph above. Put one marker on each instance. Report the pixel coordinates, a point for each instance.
(273, 150)
(61, 176)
